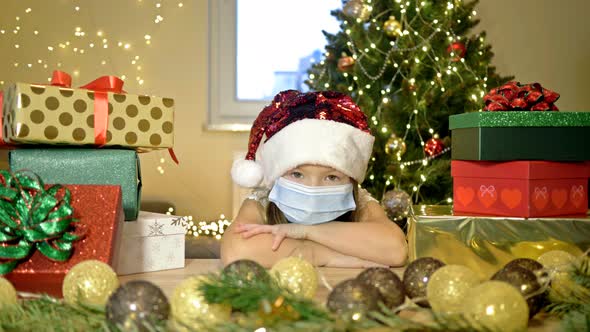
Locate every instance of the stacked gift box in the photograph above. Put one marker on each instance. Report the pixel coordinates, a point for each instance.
(520, 183)
(87, 139)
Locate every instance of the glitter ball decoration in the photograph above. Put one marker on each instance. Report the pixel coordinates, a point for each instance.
(496, 306)
(296, 275)
(458, 49)
(356, 9)
(392, 27)
(7, 293)
(396, 203)
(345, 63)
(137, 306)
(246, 271)
(90, 282)
(387, 283)
(433, 147)
(527, 263)
(352, 299)
(417, 275)
(558, 260)
(191, 310)
(526, 282)
(395, 146)
(448, 286)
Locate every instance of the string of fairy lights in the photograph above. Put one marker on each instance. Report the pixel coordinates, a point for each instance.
(444, 67)
(86, 40)
(213, 229)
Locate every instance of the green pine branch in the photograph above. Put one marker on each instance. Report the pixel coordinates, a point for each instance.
(247, 296)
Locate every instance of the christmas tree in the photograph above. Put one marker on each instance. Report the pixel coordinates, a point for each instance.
(409, 65)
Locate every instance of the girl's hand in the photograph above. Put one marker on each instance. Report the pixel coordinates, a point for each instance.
(279, 232)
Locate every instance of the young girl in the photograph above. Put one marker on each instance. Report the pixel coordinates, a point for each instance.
(316, 153)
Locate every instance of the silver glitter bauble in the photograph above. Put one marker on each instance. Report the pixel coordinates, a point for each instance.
(396, 203)
(356, 9)
(137, 306)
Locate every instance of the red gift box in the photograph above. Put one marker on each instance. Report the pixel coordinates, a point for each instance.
(520, 188)
(99, 210)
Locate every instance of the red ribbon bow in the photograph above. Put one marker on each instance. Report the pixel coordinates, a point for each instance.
(513, 96)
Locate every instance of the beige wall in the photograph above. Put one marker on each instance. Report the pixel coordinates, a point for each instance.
(535, 40)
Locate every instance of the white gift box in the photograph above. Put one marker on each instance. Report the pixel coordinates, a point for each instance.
(153, 242)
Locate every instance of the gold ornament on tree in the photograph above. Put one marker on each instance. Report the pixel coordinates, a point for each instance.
(395, 146)
(356, 9)
(89, 282)
(392, 27)
(448, 286)
(345, 63)
(7, 293)
(497, 306)
(296, 275)
(190, 309)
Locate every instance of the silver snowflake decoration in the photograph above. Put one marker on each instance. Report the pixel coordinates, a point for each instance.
(156, 229)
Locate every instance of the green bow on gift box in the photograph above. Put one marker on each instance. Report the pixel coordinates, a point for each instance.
(32, 217)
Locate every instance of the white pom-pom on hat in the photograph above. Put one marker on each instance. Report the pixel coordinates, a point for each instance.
(247, 173)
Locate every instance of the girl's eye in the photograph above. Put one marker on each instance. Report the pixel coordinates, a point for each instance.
(296, 175)
(332, 178)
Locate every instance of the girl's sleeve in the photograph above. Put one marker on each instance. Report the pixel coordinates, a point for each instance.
(364, 198)
(260, 195)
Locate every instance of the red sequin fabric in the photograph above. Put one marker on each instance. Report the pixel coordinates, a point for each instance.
(291, 105)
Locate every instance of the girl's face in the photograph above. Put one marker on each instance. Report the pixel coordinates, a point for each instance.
(315, 175)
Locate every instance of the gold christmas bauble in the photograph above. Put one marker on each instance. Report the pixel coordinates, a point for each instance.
(497, 306)
(190, 309)
(345, 63)
(297, 275)
(356, 9)
(556, 259)
(395, 146)
(7, 293)
(534, 249)
(392, 27)
(90, 282)
(448, 286)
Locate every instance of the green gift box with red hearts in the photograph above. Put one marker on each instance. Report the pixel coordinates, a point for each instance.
(520, 188)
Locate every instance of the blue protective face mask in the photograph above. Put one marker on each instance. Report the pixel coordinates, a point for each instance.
(311, 205)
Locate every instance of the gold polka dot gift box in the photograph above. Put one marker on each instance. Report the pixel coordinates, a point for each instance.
(99, 113)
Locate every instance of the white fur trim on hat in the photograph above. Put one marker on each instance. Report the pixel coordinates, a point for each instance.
(247, 173)
(319, 142)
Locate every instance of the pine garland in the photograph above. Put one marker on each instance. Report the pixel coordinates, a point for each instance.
(51, 315)
(571, 299)
(246, 297)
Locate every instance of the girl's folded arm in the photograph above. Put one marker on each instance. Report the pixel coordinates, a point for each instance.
(258, 247)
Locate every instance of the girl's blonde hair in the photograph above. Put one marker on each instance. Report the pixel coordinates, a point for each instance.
(274, 215)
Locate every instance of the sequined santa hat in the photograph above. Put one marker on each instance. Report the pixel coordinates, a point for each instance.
(322, 128)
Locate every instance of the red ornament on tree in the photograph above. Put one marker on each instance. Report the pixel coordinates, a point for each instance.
(458, 49)
(434, 146)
